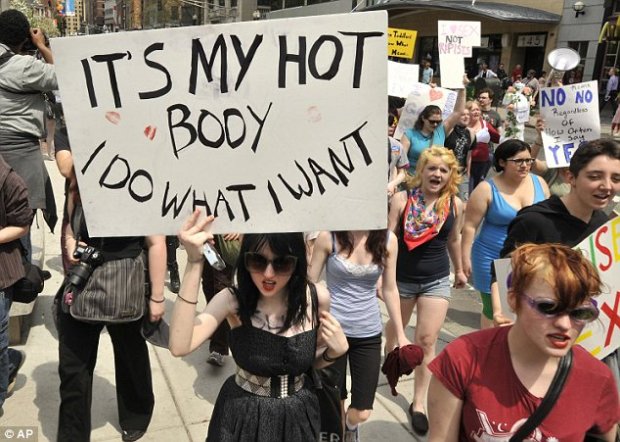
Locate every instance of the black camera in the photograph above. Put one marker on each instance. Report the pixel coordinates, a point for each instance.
(89, 259)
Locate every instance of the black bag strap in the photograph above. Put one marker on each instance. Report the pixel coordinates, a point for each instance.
(548, 401)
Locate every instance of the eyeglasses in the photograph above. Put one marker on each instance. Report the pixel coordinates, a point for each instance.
(550, 309)
(522, 161)
(282, 265)
(434, 122)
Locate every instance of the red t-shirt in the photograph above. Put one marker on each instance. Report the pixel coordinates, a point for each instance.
(476, 368)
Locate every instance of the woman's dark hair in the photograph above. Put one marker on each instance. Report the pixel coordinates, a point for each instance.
(591, 149)
(429, 110)
(376, 244)
(247, 293)
(14, 28)
(507, 149)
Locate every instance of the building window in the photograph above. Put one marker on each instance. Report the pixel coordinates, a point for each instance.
(576, 75)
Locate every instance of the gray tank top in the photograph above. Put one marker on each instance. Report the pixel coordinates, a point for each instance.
(353, 290)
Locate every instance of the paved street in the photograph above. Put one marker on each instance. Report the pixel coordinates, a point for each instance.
(185, 388)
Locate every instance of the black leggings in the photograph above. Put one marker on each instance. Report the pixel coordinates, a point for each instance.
(364, 356)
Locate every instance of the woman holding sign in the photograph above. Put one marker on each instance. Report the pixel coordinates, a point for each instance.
(486, 385)
(280, 328)
(430, 130)
(494, 203)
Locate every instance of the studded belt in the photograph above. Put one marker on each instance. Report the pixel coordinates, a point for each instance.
(268, 386)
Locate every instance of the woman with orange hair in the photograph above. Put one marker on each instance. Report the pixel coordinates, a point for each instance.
(487, 384)
(427, 221)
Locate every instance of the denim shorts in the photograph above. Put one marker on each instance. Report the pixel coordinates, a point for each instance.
(440, 288)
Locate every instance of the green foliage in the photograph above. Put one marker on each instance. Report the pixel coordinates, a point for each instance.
(44, 23)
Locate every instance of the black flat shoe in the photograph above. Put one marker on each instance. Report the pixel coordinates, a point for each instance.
(419, 421)
(132, 435)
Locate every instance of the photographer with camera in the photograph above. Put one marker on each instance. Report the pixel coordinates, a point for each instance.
(23, 79)
(78, 339)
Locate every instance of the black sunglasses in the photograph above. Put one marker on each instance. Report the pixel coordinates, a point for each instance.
(434, 122)
(282, 265)
(550, 309)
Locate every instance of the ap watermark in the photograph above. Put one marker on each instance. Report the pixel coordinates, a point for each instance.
(30, 434)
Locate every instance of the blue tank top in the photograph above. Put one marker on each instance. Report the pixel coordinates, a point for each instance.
(353, 290)
(492, 234)
(419, 143)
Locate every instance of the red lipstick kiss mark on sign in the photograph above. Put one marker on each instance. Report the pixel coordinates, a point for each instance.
(149, 132)
(435, 95)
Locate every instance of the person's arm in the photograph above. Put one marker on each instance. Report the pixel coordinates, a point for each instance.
(474, 213)
(320, 252)
(188, 331)
(331, 340)
(18, 212)
(491, 74)
(391, 296)
(156, 245)
(444, 413)
(396, 210)
(38, 38)
(401, 174)
(459, 107)
(454, 245)
(64, 161)
(540, 166)
(405, 143)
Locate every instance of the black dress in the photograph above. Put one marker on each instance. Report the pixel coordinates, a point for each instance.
(242, 416)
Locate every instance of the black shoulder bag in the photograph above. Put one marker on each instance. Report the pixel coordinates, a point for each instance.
(548, 401)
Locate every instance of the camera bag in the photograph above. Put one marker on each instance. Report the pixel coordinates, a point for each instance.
(115, 291)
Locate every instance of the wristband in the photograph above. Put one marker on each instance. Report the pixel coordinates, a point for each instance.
(326, 357)
(158, 301)
(186, 300)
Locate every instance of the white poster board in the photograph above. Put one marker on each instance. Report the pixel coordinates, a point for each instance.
(275, 125)
(401, 77)
(602, 249)
(421, 96)
(571, 116)
(455, 40)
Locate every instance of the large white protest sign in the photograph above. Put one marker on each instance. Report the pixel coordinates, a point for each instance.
(275, 125)
(421, 96)
(602, 249)
(401, 77)
(571, 116)
(455, 40)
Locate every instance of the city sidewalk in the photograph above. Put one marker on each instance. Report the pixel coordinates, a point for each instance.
(185, 388)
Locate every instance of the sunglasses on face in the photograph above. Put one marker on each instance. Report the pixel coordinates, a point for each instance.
(282, 265)
(434, 122)
(550, 309)
(522, 161)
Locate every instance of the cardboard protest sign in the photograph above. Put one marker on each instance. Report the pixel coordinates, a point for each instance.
(401, 77)
(602, 249)
(401, 42)
(421, 96)
(571, 116)
(455, 40)
(275, 125)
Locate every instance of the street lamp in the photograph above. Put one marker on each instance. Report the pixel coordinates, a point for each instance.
(256, 15)
(579, 8)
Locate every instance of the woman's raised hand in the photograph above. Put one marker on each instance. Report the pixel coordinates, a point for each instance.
(194, 233)
(331, 334)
